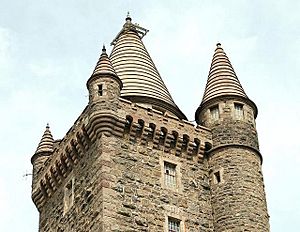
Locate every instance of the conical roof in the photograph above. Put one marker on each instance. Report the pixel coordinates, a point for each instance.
(104, 65)
(222, 79)
(134, 66)
(46, 143)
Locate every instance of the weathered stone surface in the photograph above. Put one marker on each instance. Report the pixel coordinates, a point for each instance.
(109, 172)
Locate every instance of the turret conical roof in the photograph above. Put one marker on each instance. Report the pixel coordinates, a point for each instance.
(104, 65)
(134, 66)
(46, 143)
(222, 79)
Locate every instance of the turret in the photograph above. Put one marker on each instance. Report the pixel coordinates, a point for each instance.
(238, 197)
(104, 84)
(42, 153)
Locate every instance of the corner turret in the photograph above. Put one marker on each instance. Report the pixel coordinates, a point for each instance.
(42, 153)
(234, 161)
(222, 83)
(104, 83)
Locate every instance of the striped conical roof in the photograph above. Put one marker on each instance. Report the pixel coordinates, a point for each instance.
(134, 66)
(104, 65)
(222, 79)
(46, 143)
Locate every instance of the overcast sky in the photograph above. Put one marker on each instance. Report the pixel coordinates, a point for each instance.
(48, 50)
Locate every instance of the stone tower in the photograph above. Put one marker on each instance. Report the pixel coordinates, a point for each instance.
(234, 161)
(132, 161)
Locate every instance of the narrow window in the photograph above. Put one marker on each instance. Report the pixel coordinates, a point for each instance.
(239, 112)
(217, 177)
(170, 174)
(173, 225)
(68, 195)
(100, 90)
(214, 111)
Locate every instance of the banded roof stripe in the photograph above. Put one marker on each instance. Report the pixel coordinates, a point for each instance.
(134, 66)
(104, 65)
(222, 79)
(47, 142)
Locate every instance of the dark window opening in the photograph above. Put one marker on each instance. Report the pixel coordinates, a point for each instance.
(100, 90)
(151, 131)
(140, 127)
(217, 176)
(128, 124)
(208, 146)
(173, 225)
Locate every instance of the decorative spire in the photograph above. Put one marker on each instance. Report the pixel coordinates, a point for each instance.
(46, 143)
(134, 66)
(222, 79)
(104, 65)
(128, 18)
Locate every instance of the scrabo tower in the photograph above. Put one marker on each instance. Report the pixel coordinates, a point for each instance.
(132, 161)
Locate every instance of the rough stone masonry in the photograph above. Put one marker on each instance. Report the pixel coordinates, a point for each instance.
(132, 161)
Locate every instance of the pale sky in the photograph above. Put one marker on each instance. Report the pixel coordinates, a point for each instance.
(48, 50)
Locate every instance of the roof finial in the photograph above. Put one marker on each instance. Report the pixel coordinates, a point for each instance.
(47, 126)
(128, 18)
(103, 49)
(218, 45)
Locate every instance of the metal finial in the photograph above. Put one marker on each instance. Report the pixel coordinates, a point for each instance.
(103, 49)
(128, 18)
(218, 45)
(47, 126)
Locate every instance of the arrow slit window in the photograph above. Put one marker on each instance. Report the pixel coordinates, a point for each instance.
(100, 90)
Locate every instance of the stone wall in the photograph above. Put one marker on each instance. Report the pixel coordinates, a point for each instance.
(118, 187)
(238, 200)
(237, 188)
(87, 210)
